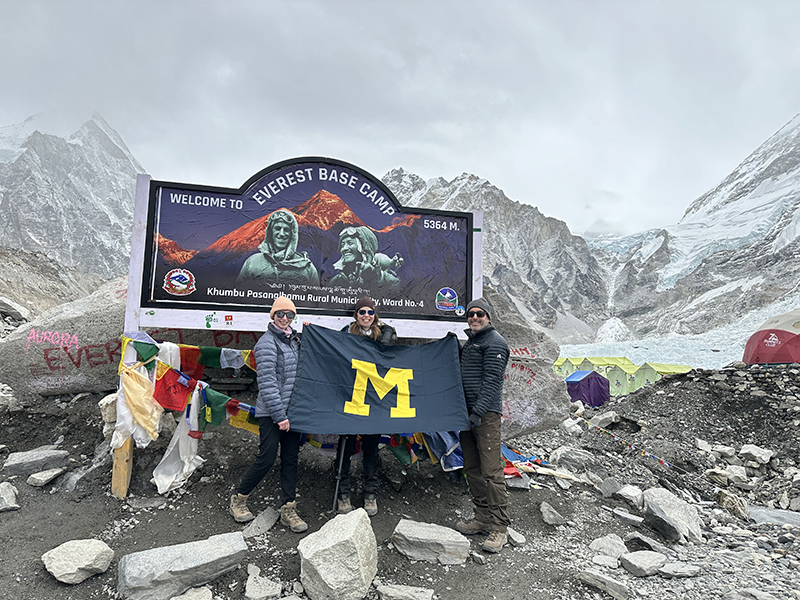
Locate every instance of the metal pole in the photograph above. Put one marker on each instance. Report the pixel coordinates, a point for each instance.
(342, 444)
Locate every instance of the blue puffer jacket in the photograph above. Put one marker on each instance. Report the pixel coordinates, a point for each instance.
(484, 357)
(276, 366)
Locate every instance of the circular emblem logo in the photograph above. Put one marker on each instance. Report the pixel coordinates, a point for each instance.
(460, 311)
(179, 282)
(446, 299)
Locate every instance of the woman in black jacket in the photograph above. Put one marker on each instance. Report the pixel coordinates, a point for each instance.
(366, 323)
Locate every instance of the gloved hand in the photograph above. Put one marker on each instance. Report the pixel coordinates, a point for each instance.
(474, 421)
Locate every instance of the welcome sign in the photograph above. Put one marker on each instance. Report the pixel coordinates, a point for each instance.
(320, 231)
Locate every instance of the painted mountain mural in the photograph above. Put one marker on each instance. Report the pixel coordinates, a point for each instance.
(320, 220)
(172, 253)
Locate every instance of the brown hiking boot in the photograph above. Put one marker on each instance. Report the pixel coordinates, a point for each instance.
(344, 506)
(239, 510)
(371, 505)
(495, 542)
(291, 519)
(471, 527)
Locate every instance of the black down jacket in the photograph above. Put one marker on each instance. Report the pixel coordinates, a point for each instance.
(484, 357)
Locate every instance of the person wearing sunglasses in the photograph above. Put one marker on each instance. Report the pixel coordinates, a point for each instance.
(484, 357)
(366, 323)
(276, 354)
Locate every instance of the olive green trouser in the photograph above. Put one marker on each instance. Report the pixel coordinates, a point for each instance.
(483, 466)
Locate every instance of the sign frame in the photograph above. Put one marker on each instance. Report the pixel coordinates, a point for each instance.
(143, 313)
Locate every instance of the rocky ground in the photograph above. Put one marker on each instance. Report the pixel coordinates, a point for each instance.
(684, 433)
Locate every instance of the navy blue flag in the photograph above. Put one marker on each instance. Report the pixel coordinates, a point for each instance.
(349, 384)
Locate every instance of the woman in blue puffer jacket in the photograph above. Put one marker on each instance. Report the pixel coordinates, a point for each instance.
(276, 354)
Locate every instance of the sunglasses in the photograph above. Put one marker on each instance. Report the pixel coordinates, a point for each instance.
(284, 314)
(476, 313)
(366, 311)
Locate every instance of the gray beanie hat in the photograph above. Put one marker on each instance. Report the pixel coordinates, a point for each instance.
(482, 304)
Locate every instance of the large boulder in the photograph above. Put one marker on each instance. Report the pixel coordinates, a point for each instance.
(534, 397)
(339, 561)
(77, 560)
(71, 348)
(161, 573)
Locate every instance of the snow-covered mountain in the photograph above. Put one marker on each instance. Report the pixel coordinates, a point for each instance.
(547, 273)
(735, 252)
(68, 197)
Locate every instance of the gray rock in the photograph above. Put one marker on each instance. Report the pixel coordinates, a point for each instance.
(8, 497)
(108, 408)
(668, 514)
(724, 451)
(753, 452)
(42, 478)
(610, 545)
(642, 563)
(71, 348)
(515, 537)
(702, 445)
(718, 476)
(636, 540)
(261, 524)
(612, 587)
(477, 557)
(77, 560)
(341, 559)
(260, 588)
(678, 569)
(774, 515)
(550, 515)
(200, 593)
(604, 560)
(519, 483)
(627, 518)
(605, 419)
(749, 594)
(574, 459)
(33, 461)
(737, 474)
(632, 494)
(609, 486)
(14, 310)
(164, 572)
(404, 592)
(572, 426)
(432, 543)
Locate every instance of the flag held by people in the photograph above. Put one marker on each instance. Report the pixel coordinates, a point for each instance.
(349, 384)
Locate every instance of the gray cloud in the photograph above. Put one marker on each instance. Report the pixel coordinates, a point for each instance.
(577, 107)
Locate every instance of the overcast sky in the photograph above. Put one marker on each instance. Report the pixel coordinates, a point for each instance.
(625, 111)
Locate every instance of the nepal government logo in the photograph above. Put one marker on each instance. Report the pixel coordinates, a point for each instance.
(179, 282)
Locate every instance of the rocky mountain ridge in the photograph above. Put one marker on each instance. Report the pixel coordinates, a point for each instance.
(70, 198)
(737, 249)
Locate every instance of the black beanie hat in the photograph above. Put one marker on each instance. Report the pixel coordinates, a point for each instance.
(481, 304)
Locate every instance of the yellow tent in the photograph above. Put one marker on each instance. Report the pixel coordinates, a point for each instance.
(602, 363)
(621, 379)
(566, 366)
(649, 373)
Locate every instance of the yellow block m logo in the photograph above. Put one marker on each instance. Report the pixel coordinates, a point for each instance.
(399, 378)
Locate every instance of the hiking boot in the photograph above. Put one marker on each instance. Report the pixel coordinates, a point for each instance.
(471, 527)
(495, 542)
(344, 506)
(291, 519)
(371, 505)
(239, 510)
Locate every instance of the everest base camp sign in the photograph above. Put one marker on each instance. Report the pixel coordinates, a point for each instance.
(317, 230)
